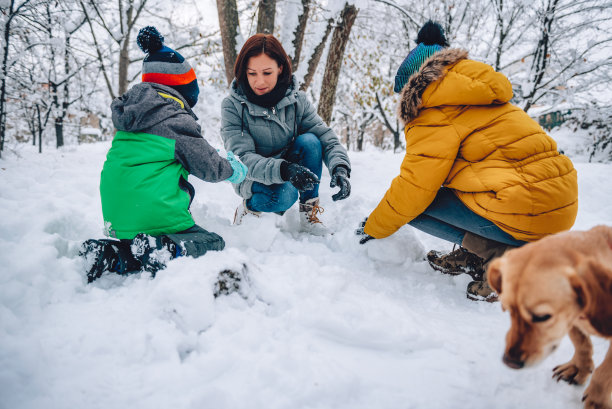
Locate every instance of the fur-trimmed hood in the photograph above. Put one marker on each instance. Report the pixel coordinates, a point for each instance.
(432, 70)
(458, 82)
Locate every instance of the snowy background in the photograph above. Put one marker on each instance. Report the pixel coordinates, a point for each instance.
(322, 323)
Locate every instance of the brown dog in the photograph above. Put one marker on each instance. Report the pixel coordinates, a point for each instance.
(558, 285)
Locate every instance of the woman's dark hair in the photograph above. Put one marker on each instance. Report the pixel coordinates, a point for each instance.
(263, 44)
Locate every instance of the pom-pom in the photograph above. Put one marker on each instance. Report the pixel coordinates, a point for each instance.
(149, 39)
(432, 33)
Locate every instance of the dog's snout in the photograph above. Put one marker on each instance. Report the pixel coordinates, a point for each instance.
(513, 363)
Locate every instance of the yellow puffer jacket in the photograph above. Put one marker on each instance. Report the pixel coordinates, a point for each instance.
(462, 133)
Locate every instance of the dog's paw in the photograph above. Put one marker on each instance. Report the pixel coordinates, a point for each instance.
(572, 373)
(595, 397)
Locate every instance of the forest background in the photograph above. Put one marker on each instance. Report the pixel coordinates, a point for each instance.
(63, 61)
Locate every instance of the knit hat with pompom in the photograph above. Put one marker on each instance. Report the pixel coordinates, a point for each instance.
(163, 65)
(430, 40)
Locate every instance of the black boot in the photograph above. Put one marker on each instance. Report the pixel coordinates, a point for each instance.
(153, 252)
(107, 255)
(100, 256)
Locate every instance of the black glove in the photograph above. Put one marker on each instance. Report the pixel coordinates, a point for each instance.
(299, 176)
(340, 178)
(364, 237)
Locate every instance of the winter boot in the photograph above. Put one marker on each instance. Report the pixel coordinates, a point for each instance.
(457, 262)
(100, 256)
(242, 211)
(154, 252)
(107, 255)
(309, 222)
(488, 250)
(481, 291)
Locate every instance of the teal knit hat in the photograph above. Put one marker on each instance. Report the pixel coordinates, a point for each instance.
(430, 40)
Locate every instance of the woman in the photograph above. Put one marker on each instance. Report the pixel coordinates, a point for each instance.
(277, 134)
(478, 170)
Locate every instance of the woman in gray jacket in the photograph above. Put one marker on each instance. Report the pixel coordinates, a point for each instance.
(278, 135)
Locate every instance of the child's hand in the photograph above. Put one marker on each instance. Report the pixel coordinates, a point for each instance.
(240, 169)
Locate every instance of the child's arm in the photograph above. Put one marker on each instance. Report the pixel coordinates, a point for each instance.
(203, 161)
(191, 150)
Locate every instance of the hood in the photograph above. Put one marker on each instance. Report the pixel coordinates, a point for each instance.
(142, 108)
(448, 78)
(431, 71)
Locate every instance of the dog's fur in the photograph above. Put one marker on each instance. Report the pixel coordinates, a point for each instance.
(558, 285)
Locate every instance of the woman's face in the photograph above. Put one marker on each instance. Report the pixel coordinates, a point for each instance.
(262, 73)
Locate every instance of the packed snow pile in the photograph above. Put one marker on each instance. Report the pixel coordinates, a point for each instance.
(318, 322)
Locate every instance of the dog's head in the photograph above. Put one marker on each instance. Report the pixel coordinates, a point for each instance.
(544, 294)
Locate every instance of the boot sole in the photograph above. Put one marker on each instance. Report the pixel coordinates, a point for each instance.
(490, 298)
(446, 271)
(476, 275)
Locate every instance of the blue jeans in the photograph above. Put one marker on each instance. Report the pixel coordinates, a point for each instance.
(449, 219)
(307, 151)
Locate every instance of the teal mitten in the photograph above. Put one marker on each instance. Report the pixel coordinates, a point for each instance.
(240, 169)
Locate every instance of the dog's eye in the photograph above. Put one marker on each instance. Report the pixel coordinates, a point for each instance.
(540, 318)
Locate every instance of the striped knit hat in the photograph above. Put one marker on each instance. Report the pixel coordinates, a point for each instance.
(430, 40)
(163, 65)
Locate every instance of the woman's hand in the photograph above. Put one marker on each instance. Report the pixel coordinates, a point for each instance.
(340, 178)
(300, 177)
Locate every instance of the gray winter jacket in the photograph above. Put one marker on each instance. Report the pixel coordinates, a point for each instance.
(260, 136)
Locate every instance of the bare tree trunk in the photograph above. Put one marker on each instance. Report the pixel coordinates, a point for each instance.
(541, 56)
(313, 63)
(127, 20)
(59, 131)
(40, 129)
(502, 33)
(334, 61)
(107, 80)
(124, 62)
(59, 120)
(124, 53)
(265, 18)
(397, 143)
(348, 136)
(361, 133)
(5, 52)
(395, 131)
(11, 14)
(505, 27)
(229, 24)
(298, 34)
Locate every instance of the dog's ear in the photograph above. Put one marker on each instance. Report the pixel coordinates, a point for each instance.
(582, 293)
(494, 275)
(597, 280)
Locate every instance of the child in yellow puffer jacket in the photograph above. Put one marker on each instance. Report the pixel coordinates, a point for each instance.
(478, 170)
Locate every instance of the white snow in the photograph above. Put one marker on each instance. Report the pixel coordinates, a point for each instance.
(324, 323)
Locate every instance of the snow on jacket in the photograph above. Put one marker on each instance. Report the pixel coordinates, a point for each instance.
(260, 136)
(462, 133)
(158, 143)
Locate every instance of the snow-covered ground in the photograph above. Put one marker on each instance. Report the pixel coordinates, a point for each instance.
(324, 322)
